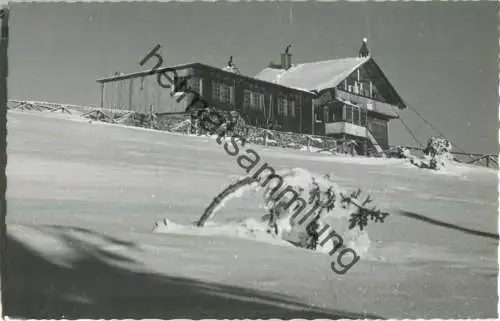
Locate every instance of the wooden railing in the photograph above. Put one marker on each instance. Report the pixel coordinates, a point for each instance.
(345, 128)
(489, 159)
(370, 104)
(485, 160)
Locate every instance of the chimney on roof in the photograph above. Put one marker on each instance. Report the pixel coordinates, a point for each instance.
(283, 61)
(231, 67)
(363, 51)
(286, 58)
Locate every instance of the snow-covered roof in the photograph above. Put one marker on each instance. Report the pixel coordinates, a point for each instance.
(234, 69)
(313, 75)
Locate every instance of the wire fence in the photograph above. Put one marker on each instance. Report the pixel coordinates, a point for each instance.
(485, 160)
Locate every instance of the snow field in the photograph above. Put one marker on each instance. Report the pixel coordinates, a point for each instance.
(113, 183)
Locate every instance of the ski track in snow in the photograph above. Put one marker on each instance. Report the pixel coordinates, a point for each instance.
(111, 183)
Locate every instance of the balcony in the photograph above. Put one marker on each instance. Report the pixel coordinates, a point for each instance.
(345, 128)
(372, 105)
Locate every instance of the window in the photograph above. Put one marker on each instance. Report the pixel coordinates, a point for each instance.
(196, 85)
(261, 102)
(215, 90)
(269, 112)
(348, 114)
(246, 98)
(222, 92)
(354, 115)
(253, 100)
(286, 106)
(356, 87)
(226, 94)
(363, 117)
(355, 118)
(181, 83)
(291, 108)
(364, 88)
(325, 114)
(281, 105)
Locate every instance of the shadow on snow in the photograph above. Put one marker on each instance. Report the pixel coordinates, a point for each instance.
(432, 221)
(92, 286)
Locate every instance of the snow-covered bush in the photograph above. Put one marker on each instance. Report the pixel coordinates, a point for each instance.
(307, 210)
(402, 152)
(437, 146)
(438, 152)
(327, 206)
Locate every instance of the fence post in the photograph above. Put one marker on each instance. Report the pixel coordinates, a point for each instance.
(101, 94)
(130, 91)
(151, 116)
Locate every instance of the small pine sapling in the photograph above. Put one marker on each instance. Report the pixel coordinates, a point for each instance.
(363, 214)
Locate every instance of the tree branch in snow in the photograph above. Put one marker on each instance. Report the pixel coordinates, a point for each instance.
(363, 214)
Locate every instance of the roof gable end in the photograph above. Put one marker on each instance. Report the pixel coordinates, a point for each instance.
(382, 83)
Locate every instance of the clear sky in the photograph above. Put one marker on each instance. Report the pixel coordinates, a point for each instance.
(442, 57)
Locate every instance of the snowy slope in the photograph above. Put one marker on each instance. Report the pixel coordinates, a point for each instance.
(82, 199)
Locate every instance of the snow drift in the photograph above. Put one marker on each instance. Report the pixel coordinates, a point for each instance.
(292, 220)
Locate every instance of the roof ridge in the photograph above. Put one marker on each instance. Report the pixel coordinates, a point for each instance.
(333, 59)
